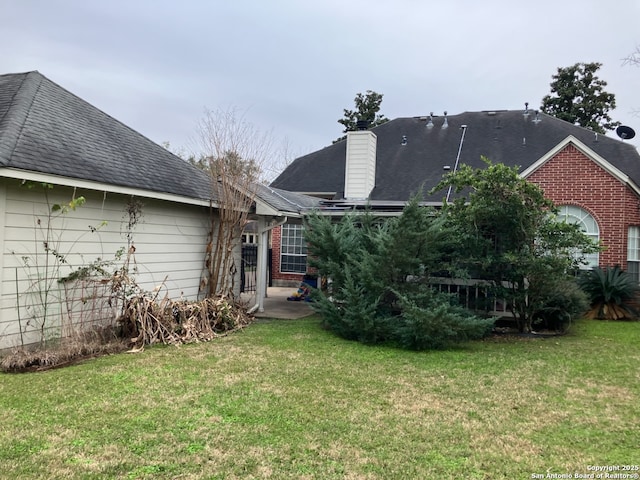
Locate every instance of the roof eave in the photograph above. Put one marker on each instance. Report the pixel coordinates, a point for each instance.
(32, 176)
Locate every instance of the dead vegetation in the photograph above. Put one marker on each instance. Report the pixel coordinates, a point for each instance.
(66, 351)
(146, 321)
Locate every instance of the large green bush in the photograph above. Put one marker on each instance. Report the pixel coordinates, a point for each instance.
(379, 280)
(511, 236)
(564, 302)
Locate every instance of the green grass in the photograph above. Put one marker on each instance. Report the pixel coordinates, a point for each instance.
(286, 399)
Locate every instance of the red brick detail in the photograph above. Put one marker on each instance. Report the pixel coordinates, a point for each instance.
(276, 274)
(571, 178)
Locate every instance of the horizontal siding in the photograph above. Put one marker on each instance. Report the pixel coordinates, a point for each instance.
(170, 241)
(360, 164)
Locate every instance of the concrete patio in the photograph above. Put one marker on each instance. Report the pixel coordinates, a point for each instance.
(277, 306)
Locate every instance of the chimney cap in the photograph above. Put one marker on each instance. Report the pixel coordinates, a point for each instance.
(362, 124)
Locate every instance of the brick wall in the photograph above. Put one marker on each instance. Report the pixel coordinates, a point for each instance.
(570, 178)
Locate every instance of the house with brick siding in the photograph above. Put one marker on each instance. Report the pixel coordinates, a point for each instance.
(593, 178)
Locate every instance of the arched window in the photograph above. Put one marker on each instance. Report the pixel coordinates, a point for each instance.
(588, 224)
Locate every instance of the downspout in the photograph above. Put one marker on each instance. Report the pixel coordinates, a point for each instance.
(261, 267)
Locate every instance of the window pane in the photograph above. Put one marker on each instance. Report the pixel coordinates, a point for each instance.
(633, 244)
(633, 269)
(293, 249)
(588, 224)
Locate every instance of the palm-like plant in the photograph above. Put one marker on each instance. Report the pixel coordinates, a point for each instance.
(611, 291)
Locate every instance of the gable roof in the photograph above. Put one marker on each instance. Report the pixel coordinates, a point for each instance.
(588, 152)
(48, 130)
(509, 137)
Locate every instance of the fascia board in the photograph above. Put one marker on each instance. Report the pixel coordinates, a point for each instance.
(100, 187)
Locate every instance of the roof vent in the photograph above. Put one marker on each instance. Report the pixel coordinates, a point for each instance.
(404, 140)
(430, 122)
(445, 124)
(526, 109)
(537, 119)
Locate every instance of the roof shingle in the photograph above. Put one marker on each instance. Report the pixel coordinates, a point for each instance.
(45, 128)
(508, 137)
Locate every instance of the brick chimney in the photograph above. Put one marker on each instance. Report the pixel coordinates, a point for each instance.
(360, 170)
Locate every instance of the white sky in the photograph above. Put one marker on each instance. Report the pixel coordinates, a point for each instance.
(293, 66)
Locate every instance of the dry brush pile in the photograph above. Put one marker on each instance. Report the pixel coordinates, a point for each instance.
(146, 321)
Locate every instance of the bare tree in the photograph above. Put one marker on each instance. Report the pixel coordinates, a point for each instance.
(233, 151)
(633, 59)
(283, 156)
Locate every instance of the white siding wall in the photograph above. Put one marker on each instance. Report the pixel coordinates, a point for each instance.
(360, 170)
(170, 241)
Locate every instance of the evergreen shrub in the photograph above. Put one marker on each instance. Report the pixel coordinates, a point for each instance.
(378, 275)
(561, 307)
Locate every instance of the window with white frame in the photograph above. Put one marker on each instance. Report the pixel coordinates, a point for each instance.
(293, 249)
(633, 252)
(588, 225)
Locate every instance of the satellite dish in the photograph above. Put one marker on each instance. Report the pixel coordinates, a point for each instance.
(625, 133)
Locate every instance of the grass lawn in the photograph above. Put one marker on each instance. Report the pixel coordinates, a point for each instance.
(286, 399)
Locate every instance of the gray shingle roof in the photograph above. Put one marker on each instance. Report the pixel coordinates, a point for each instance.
(284, 201)
(507, 137)
(45, 128)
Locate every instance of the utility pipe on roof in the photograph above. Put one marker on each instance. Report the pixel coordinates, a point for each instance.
(261, 267)
(455, 167)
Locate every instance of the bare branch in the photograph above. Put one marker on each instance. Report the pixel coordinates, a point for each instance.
(234, 153)
(633, 58)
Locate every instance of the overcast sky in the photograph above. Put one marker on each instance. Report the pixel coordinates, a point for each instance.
(291, 67)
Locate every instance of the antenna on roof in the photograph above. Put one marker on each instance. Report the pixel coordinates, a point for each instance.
(625, 133)
(445, 124)
(430, 122)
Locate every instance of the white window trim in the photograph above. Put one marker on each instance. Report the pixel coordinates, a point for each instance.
(578, 215)
(299, 232)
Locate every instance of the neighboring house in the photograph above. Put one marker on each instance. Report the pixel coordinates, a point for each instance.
(594, 179)
(137, 193)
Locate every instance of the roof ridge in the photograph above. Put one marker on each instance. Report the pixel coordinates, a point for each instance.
(16, 115)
